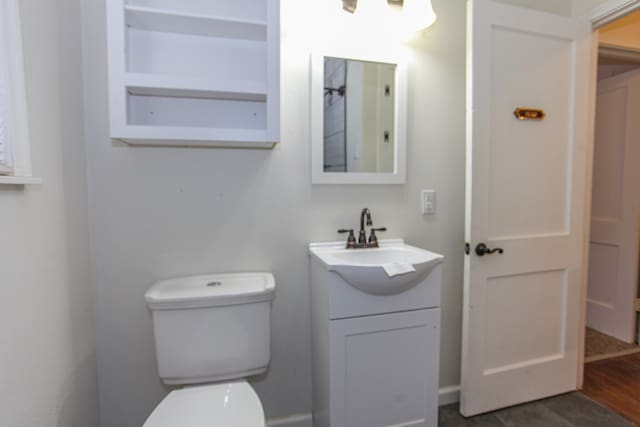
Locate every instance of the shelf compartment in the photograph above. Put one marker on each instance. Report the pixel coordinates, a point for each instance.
(201, 58)
(187, 87)
(173, 111)
(151, 19)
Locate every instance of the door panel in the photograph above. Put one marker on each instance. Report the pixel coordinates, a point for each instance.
(608, 156)
(530, 337)
(603, 271)
(615, 228)
(526, 195)
(385, 370)
(524, 200)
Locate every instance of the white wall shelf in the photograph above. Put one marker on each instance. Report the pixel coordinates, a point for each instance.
(20, 180)
(194, 137)
(189, 87)
(188, 73)
(151, 19)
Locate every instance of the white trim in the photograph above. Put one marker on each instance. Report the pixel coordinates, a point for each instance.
(449, 395)
(618, 52)
(599, 16)
(300, 420)
(20, 180)
(598, 357)
(612, 10)
(18, 124)
(588, 177)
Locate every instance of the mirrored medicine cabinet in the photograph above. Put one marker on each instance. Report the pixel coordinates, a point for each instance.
(358, 120)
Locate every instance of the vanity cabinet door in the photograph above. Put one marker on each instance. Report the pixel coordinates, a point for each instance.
(384, 370)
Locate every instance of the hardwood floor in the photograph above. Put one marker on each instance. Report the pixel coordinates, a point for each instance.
(615, 383)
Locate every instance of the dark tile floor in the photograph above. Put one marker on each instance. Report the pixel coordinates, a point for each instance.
(569, 410)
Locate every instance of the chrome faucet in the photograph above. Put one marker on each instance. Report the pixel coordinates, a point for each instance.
(362, 241)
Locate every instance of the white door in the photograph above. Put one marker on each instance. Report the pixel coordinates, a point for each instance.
(615, 234)
(526, 195)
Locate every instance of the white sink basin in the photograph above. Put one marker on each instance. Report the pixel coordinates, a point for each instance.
(364, 268)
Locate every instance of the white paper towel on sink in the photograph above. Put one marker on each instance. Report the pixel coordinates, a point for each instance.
(397, 269)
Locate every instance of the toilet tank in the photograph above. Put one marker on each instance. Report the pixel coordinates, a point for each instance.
(211, 328)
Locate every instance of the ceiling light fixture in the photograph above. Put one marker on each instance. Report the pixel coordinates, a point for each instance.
(416, 15)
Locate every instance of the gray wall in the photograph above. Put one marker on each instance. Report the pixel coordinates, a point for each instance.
(163, 212)
(560, 7)
(47, 353)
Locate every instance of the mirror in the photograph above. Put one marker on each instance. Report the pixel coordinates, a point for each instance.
(358, 121)
(358, 116)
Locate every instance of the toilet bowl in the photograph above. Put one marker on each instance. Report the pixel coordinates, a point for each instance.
(211, 332)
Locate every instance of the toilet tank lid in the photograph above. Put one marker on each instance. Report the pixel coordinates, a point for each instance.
(210, 290)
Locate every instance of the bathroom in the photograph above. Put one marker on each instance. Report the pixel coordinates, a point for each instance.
(109, 220)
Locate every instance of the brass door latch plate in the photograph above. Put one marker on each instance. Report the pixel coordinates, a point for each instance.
(529, 114)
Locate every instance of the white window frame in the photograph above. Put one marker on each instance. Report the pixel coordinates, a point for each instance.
(17, 149)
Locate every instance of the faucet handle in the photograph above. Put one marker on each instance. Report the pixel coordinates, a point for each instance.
(351, 240)
(373, 239)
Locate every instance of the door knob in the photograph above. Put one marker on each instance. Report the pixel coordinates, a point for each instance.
(482, 250)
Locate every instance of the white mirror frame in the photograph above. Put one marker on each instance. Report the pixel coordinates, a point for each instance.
(318, 175)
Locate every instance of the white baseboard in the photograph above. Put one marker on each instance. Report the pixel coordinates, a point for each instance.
(446, 396)
(449, 395)
(300, 420)
(612, 355)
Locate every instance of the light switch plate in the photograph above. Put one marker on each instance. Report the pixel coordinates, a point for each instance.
(428, 202)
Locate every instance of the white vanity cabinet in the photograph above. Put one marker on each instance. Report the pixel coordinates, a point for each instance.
(375, 357)
(192, 72)
(383, 369)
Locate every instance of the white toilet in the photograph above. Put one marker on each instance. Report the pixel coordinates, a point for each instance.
(211, 332)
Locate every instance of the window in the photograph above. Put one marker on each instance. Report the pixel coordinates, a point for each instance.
(15, 156)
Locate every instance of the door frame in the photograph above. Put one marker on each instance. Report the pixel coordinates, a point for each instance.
(599, 17)
(611, 11)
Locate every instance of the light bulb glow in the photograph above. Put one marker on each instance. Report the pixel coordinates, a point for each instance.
(374, 10)
(413, 16)
(418, 14)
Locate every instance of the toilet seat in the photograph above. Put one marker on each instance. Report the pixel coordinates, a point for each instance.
(230, 404)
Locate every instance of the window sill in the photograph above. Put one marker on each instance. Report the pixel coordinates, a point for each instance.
(20, 180)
